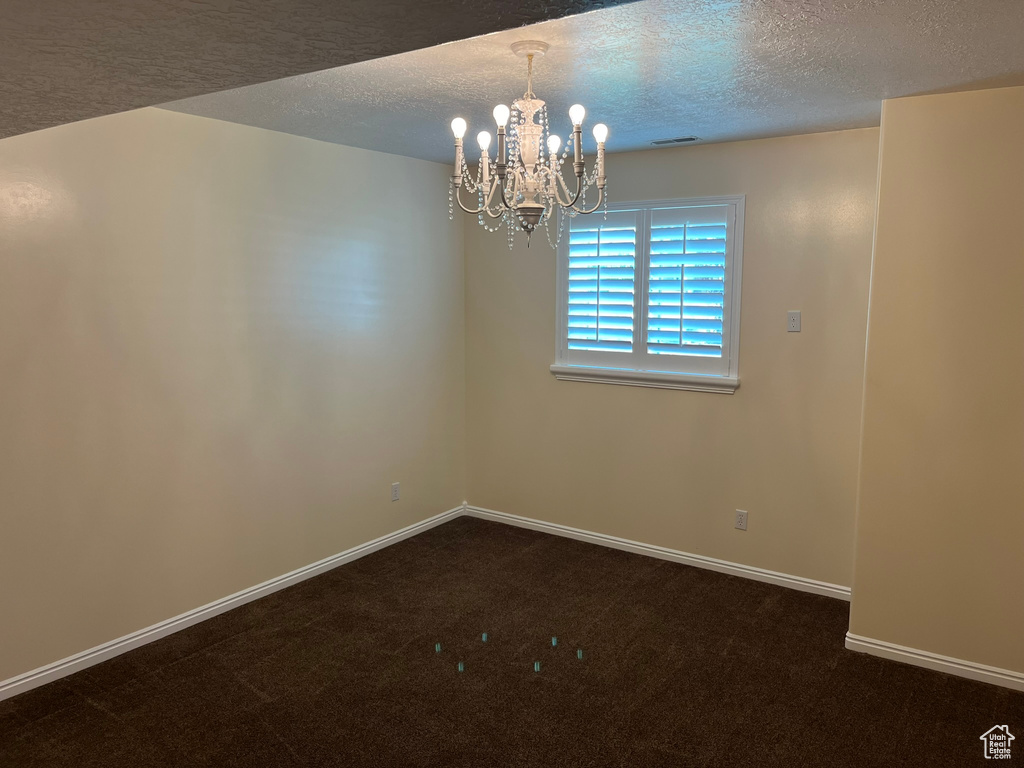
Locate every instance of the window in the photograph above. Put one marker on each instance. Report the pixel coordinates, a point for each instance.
(650, 295)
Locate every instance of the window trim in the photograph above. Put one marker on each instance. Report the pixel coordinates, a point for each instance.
(689, 380)
(696, 382)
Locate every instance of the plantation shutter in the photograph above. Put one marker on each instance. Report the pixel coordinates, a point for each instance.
(652, 294)
(686, 287)
(602, 282)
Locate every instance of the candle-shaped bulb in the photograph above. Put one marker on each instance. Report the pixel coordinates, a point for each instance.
(600, 133)
(501, 113)
(577, 113)
(459, 127)
(484, 140)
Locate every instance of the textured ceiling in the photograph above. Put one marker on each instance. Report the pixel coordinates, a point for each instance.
(718, 69)
(67, 60)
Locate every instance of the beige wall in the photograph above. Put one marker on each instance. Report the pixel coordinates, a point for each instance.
(670, 467)
(217, 351)
(940, 532)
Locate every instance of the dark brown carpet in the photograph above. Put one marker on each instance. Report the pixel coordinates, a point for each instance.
(680, 667)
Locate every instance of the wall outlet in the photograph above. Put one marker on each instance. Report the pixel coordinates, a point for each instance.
(395, 491)
(794, 321)
(741, 520)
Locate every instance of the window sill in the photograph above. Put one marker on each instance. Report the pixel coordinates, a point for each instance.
(660, 380)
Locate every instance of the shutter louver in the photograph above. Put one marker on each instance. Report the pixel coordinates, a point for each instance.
(686, 289)
(602, 279)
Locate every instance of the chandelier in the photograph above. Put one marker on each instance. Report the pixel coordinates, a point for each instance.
(526, 190)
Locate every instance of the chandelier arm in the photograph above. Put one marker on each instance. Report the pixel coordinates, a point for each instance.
(494, 214)
(458, 199)
(486, 207)
(490, 198)
(579, 189)
(504, 202)
(600, 199)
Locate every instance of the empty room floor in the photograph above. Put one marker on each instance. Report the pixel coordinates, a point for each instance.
(679, 667)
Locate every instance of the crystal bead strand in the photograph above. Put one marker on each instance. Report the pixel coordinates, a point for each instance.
(547, 230)
(470, 184)
(496, 227)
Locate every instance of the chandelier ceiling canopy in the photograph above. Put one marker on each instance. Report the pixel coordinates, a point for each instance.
(525, 188)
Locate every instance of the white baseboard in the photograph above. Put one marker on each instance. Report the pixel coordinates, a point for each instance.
(85, 659)
(663, 553)
(934, 661)
(100, 653)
